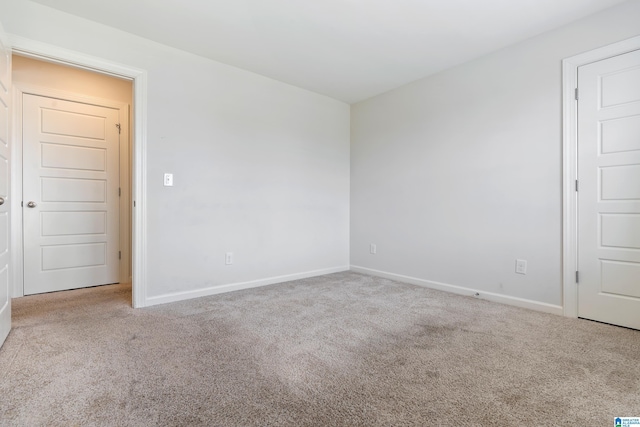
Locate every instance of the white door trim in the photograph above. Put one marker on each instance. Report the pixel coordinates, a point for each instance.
(51, 53)
(570, 155)
(16, 184)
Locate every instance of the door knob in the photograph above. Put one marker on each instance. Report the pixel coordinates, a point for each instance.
(31, 204)
(1, 201)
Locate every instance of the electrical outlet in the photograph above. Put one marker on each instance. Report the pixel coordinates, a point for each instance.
(372, 248)
(521, 266)
(168, 180)
(228, 258)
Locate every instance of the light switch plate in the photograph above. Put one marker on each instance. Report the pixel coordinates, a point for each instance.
(168, 180)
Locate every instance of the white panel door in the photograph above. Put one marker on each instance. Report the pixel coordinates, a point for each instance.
(609, 190)
(70, 194)
(5, 84)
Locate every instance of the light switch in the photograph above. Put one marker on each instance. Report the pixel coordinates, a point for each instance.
(168, 180)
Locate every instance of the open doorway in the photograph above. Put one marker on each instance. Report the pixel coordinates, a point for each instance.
(84, 242)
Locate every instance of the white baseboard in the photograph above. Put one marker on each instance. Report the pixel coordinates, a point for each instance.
(213, 290)
(489, 296)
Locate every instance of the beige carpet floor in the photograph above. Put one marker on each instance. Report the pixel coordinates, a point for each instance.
(339, 350)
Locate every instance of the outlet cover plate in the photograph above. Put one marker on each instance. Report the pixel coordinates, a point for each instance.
(521, 266)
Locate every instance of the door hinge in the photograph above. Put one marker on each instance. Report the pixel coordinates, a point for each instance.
(577, 277)
(576, 94)
(576, 185)
(120, 130)
(119, 192)
(119, 254)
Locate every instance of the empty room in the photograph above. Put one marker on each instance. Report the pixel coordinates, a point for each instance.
(335, 213)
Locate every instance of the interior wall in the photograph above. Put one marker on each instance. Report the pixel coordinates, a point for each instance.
(261, 168)
(29, 72)
(457, 175)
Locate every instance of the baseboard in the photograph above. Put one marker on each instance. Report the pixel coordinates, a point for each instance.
(219, 289)
(489, 296)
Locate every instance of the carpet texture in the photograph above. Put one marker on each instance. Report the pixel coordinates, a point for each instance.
(339, 350)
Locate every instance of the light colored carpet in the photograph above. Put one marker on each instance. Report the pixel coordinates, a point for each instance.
(339, 350)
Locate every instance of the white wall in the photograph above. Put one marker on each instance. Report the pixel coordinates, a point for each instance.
(261, 168)
(456, 175)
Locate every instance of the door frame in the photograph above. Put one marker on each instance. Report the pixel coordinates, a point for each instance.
(17, 232)
(138, 140)
(570, 163)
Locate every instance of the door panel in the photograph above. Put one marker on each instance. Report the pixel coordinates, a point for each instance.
(71, 174)
(73, 157)
(620, 278)
(619, 86)
(609, 196)
(614, 181)
(73, 223)
(66, 190)
(618, 135)
(73, 256)
(5, 171)
(75, 125)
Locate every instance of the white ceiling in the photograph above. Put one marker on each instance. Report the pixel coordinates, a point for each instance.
(347, 49)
